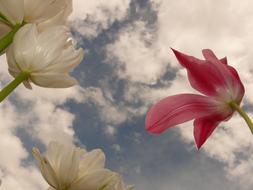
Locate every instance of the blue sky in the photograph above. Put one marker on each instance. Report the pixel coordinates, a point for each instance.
(148, 161)
(127, 67)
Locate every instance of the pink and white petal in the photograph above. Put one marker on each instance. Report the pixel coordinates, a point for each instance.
(209, 76)
(53, 80)
(202, 76)
(231, 76)
(178, 109)
(203, 128)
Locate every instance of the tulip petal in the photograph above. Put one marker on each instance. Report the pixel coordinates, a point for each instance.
(25, 46)
(224, 60)
(230, 75)
(13, 10)
(208, 76)
(203, 128)
(53, 80)
(45, 168)
(91, 161)
(68, 165)
(93, 180)
(178, 109)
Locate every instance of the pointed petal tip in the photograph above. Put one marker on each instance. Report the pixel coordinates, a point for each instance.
(199, 142)
(199, 146)
(175, 51)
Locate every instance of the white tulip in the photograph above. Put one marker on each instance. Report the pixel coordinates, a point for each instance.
(66, 167)
(16, 13)
(36, 11)
(12, 10)
(47, 56)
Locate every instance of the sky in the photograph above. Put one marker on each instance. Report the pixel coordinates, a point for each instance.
(127, 67)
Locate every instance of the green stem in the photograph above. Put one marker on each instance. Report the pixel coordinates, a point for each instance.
(11, 86)
(8, 38)
(3, 17)
(236, 107)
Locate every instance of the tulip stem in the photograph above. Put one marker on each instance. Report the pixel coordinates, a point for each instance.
(236, 107)
(8, 38)
(11, 86)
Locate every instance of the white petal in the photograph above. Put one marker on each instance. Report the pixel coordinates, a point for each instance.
(13, 10)
(116, 183)
(47, 9)
(92, 161)
(69, 59)
(69, 165)
(51, 43)
(92, 181)
(12, 65)
(60, 18)
(46, 169)
(24, 47)
(53, 80)
(53, 154)
(40, 6)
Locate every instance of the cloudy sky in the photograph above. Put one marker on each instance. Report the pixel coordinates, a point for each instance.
(128, 66)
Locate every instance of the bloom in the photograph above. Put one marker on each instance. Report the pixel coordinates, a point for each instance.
(221, 87)
(43, 12)
(47, 56)
(66, 167)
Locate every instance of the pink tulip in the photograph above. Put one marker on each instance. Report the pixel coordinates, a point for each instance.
(222, 89)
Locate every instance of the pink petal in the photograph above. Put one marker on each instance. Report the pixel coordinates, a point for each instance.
(234, 78)
(203, 128)
(210, 75)
(224, 60)
(177, 109)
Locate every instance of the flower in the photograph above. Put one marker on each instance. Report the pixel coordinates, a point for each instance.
(47, 56)
(66, 167)
(43, 12)
(14, 14)
(221, 86)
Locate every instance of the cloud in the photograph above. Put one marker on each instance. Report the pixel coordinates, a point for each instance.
(91, 17)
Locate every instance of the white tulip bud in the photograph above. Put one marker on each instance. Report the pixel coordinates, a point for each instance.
(47, 56)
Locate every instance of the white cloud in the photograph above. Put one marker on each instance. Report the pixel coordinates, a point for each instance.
(99, 14)
(138, 61)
